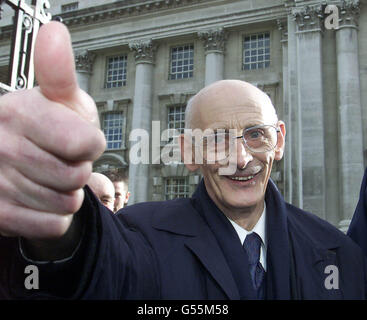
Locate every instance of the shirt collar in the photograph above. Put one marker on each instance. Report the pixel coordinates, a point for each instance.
(259, 228)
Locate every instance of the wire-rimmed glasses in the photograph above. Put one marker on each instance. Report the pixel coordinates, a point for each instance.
(257, 139)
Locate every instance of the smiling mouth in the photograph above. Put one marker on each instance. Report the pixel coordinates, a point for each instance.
(243, 178)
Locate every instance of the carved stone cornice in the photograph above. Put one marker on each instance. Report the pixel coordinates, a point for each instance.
(113, 14)
(309, 18)
(84, 61)
(288, 5)
(349, 13)
(121, 9)
(144, 50)
(214, 40)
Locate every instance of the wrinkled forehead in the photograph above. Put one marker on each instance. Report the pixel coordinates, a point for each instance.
(232, 104)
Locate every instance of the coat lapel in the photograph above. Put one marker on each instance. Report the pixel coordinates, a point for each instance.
(199, 239)
(213, 260)
(312, 259)
(297, 261)
(278, 251)
(228, 241)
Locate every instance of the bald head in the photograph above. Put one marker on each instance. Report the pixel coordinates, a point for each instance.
(225, 95)
(103, 188)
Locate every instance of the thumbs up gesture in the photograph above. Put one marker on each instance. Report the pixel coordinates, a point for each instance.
(49, 138)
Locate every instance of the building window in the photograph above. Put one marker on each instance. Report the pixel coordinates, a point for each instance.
(176, 118)
(177, 188)
(256, 51)
(182, 62)
(112, 128)
(116, 72)
(69, 7)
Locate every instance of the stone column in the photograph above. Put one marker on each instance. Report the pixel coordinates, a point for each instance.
(331, 132)
(142, 114)
(349, 108)
(287, 168)
(310, 100)
(294, 132)
(84, 65)
(214, 44)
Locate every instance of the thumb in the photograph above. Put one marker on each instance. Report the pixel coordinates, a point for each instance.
(54, 63)
(54, 66)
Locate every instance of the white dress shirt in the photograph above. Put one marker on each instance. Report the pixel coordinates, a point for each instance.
(259, 228)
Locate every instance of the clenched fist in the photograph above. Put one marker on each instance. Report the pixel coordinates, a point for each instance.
(49, 137)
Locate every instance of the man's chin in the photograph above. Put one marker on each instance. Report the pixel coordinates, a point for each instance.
(246, 197)
(242, 205)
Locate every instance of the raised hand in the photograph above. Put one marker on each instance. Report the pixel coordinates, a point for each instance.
(49, 137)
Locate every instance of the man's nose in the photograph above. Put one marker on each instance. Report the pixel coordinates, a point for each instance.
(243, 154)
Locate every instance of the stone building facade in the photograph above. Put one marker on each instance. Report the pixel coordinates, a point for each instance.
(142, 60)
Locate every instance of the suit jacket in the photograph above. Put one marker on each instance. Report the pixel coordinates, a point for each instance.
(358, 226)
(170, 250)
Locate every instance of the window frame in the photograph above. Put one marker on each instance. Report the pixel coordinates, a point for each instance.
(181, 114)
(69, 7)
(107, 70)
(257, 55)
(123, 126)
(170, 67)
(186, 186)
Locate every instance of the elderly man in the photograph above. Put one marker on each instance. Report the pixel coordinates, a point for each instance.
(103, 189)
(235, 238)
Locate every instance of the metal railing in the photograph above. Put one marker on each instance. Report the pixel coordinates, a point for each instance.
(28, 19)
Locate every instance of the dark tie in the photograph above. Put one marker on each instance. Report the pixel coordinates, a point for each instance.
(252, 246)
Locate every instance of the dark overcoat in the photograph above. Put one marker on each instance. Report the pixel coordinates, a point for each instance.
(187, 249)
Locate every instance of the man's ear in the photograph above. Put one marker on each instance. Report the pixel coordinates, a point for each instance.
(188, 152)
(127, 197)
(279, 149)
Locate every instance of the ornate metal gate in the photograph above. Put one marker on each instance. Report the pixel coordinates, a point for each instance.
(28, 19)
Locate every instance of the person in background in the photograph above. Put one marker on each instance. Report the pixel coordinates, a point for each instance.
(103, 188)
(120, 181)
